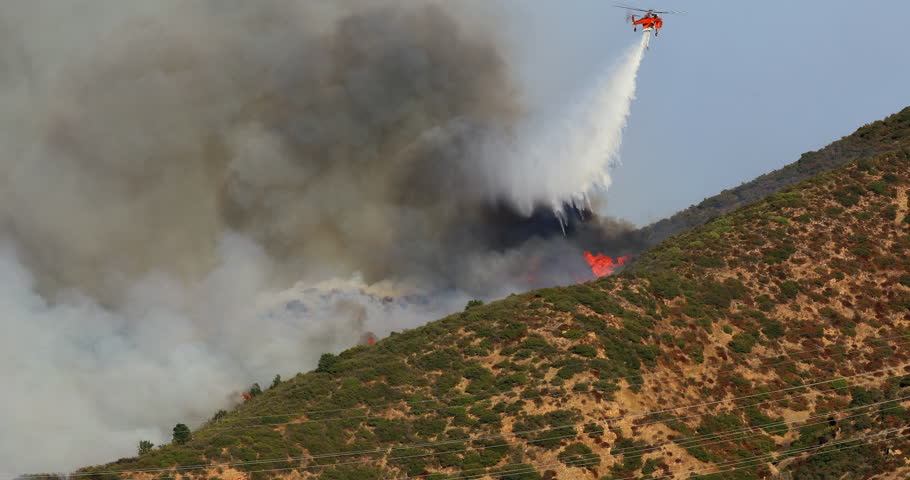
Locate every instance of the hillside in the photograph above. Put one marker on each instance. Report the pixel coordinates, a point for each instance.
(767, 343)
(885, 135)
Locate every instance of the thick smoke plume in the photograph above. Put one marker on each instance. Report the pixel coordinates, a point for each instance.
(196, 196)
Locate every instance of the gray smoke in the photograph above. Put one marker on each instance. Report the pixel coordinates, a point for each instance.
(196, 196)
(164, 135)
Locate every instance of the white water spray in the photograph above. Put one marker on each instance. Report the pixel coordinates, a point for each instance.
(565, 155)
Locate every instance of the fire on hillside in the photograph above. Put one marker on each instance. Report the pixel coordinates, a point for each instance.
(602, 265)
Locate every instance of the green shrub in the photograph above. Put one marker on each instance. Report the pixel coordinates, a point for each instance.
(482, 379)
(145, 446)
(595, 299)
(720, 295)
(579, 454)
(349, 472)
(719, 423)
(508, 382)
(779, 254)
(476, 351)
(594, 430)
(742, 343)
(665, 284)
(585, 350)
(473, 303)
(181, 434)
(773, 329)
(709, 262)
(553, 438)
(445, 383)
(327, 363)
(570, 368)
(632, 460)
(573, 334)
(789, 289)
(255, 390)
(390, 430)
(430, 426)
(443, 359)
(581, 387)
(649, 467)
(765, 303)
(606, 387)
(774, 426)
(537, 344)
(484, 415)
(518, 472)
(861, 396)
(849, 196)
(813, 435)
(879, 187)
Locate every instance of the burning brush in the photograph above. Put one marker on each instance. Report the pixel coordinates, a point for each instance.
(602, 265)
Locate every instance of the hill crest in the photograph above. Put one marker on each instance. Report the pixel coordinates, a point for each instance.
(873, 138)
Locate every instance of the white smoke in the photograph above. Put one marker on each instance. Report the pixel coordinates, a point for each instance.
(84, 384)
(562, 156)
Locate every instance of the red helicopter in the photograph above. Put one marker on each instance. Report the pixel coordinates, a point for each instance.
(651, 20)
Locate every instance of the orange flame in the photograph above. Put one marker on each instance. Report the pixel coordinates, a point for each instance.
(602, 265)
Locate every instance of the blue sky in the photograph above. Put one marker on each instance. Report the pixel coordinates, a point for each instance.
(729, 91)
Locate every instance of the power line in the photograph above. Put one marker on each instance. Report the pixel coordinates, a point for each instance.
(531, 468)
(445, 407)
(729, 365)
(512, 434)
(683, 443)
(355, 417)
(697, 440)
(432, 444)
(742, 462)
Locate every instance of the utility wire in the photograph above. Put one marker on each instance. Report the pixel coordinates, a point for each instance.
(445, 407)
(530, 468)
(727, 365)
(755, 430)
(512, 434)
(760, 459)
(416, 411)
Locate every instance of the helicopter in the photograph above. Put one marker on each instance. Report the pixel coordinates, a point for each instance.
(650, 21)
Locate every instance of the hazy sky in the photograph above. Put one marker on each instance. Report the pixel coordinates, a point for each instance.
(729, 91)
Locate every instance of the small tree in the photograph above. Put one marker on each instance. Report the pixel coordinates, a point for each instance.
(473, 303)
(276, 381)
(255, 390)
(181, 434)
(145, 446)
(326, 362)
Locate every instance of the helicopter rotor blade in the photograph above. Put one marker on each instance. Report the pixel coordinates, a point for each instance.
(631, 8)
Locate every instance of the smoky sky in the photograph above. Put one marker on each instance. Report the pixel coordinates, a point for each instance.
(340, 151)
(194, 196)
